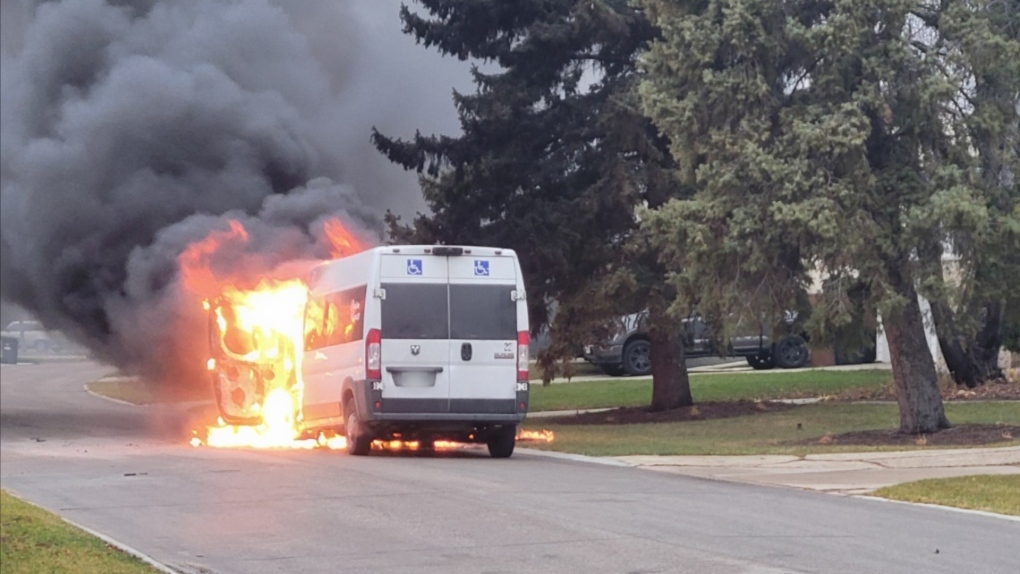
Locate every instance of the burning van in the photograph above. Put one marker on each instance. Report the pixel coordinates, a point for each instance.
(408, 343)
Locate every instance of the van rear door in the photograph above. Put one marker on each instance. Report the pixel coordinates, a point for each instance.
(415, 333)
(483, 334)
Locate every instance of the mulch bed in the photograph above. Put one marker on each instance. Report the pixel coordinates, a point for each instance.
(699, 412)
(960, 435)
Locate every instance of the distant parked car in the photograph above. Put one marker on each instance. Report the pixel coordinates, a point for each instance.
(32, 336)
(629, 353)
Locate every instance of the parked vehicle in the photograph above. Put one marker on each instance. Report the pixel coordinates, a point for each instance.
(423, 343)
(33, 337)
(629, 353)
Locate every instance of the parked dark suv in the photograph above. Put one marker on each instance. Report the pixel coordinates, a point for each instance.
(629, 353)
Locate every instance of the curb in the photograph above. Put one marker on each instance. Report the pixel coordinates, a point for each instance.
(984, 513)
(125, 548)
(605, 461)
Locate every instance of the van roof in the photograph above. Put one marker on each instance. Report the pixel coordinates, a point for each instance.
(343, 265)
(446, 250)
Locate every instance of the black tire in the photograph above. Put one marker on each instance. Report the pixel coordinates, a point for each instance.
(791, 352)
(359, 443)
(501, 442)
(637, 358)
(761, 362)
(612, 370)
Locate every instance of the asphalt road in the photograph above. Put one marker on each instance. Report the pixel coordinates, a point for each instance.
(128, 473)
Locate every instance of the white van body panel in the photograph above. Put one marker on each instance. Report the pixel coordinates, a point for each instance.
(324, 369)
(491, 371)
(407, 374)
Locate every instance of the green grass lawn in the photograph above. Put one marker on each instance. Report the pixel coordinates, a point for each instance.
(765, 433)
(992, 493)
(624, 392)
(33, 540)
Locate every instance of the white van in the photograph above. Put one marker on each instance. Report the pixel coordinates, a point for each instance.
(418, 343)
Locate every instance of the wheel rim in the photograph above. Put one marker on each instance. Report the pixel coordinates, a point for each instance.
(640, 358)
(792, 352)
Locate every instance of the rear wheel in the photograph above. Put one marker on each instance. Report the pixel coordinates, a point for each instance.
(637, 358)
(791, 352)
(501, 442)
(761, 362)
(359, 442)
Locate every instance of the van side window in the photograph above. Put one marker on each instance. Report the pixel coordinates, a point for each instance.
(346, 316)
(316, 319)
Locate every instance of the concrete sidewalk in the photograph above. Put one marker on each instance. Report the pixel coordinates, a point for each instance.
(842, 473)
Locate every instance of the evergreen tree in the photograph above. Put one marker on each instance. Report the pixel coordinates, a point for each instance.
(827, 136)
(979, 47)
(554, 157)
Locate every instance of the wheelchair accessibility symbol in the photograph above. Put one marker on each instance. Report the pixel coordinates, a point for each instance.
(414, 267)
(481, 268)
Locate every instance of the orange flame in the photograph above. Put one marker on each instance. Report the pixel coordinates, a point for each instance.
(342, 241)
(541, 436)
(196, 261)
(259, 337)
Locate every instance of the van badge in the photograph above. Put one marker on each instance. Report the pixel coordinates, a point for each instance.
(414, 267)
(415, 349)
(481, 268)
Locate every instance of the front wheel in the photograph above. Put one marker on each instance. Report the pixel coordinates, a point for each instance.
(637, 358)
(791, 352)
(359, 442)
(501, 442)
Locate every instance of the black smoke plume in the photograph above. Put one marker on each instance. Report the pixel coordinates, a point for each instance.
(131, 130)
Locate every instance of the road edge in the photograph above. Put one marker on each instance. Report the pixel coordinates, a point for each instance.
(971, 511)
(86, 388)
(124, 548)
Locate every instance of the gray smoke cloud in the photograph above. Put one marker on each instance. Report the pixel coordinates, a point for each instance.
(130, 130)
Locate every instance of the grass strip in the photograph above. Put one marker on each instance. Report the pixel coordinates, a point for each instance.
(710, 387)
(34, 540)
(991, 493)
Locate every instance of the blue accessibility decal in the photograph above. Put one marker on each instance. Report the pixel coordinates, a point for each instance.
(414, 267)
(481, 268)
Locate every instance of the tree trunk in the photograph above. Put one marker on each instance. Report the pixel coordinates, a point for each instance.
(972, 359)
(671, 386)
(917, 390)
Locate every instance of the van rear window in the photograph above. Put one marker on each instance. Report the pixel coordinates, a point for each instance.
(482, 312)
(415, 311)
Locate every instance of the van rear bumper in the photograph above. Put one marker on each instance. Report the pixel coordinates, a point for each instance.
(448, 417)
(377, 408)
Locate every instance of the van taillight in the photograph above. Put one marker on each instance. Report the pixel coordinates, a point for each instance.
(373, 355)
(523, 339)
